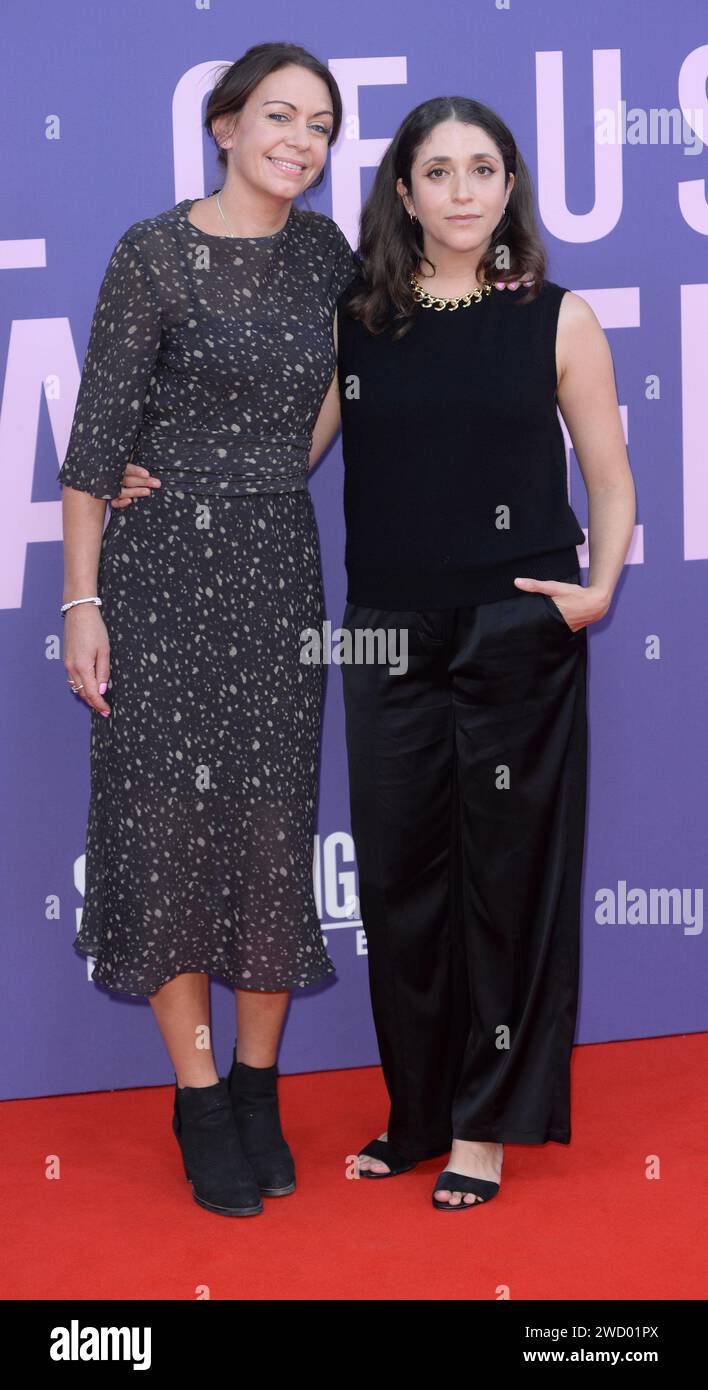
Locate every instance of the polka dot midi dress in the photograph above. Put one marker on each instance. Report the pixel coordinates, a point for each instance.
(207, 363)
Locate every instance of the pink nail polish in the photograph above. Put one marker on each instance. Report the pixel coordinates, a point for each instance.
(104, 713)
(103, 687)
(499, 285)
(513, 285)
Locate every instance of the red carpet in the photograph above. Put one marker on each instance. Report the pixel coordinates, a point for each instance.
(570, 1222)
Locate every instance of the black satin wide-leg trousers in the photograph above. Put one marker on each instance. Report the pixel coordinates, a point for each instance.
(467, 775)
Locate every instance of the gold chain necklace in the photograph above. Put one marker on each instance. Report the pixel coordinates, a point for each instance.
(431, 301)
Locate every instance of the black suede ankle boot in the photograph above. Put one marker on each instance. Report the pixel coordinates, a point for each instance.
(254, 1099)
(214, 1161)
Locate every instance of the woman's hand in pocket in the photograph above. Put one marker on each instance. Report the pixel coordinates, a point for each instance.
(578, 604)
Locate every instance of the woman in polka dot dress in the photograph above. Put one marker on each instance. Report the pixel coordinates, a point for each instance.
(211, 362)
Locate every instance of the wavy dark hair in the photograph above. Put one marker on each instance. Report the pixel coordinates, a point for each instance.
(238, 80)
(391, 244)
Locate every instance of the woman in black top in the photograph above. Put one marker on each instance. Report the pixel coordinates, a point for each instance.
(468, 764)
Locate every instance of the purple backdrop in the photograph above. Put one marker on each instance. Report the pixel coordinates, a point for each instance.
(103, 127)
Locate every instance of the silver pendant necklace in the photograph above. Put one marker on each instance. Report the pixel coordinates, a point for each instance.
(230, 232)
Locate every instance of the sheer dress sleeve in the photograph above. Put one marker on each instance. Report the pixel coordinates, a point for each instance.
(123, 346)
(345, 263)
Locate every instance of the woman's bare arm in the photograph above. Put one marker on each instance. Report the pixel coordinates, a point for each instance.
(588, 403)
(86, 648)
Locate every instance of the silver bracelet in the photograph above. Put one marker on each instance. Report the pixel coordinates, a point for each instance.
(74, 601)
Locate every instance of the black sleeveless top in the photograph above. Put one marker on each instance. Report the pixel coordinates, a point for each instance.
(455, 467)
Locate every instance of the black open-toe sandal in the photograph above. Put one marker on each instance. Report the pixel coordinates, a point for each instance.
(381, 1150)
(459, 1182)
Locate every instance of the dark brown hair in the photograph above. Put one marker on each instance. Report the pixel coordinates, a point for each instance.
(391, 244)
(238, 80)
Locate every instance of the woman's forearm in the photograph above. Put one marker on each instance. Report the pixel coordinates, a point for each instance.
(82, 517)
(611, 517)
